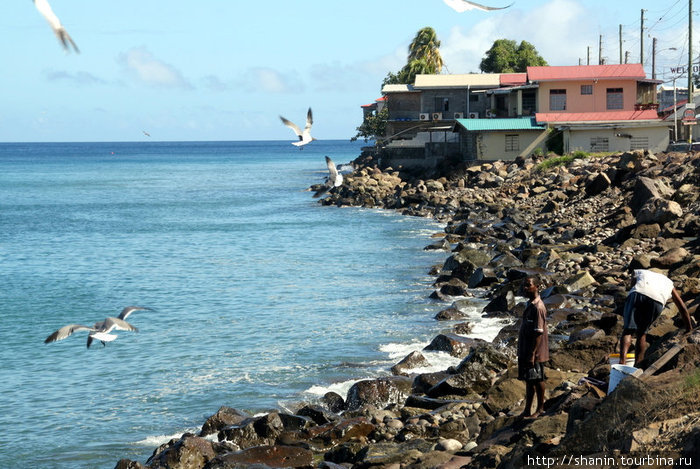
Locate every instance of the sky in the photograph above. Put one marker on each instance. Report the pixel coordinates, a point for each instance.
(226, 70)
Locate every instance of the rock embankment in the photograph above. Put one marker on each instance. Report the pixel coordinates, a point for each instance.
(577, 227)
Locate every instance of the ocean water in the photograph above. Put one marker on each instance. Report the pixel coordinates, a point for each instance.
(262, 297)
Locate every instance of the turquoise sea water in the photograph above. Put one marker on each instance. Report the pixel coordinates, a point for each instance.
(263, 297)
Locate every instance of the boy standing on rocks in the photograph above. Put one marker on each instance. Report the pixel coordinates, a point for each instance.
(533, 348)
(643, 305)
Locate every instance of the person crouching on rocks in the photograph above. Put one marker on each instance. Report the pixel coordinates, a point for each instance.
(533, 348)
(644, 303)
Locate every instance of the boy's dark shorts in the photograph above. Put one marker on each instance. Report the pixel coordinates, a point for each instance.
(640, 312)
(531, 374)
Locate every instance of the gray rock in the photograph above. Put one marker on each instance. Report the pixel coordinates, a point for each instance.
(658, 210)
(455, 345)
(411, 361)
(378, 392)
(647, 188)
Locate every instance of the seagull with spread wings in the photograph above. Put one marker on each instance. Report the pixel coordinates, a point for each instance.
(58, 29)
(334, 179)
(305, 136)
(101, 329)
(464, 5)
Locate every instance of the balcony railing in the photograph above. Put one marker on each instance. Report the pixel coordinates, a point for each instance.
(646, 106)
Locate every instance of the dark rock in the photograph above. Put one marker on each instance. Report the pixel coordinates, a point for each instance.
(587, 333)
(378, 392)
(224, 417)
(503, 302)
(189, 452)
(129, 464)
(269, 455)
(463, 328)
(669, 259)
(450, 314)
(455, 345)
(482, 277)
(424, 381)
(409, 362)
(295, 422)
(455, 287)
(646, 231)
(333, 401)
(657, 210)
(597, 185)
(647, 188)
(317, 413)
(354, 429)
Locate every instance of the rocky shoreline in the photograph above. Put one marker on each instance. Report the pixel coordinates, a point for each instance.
(577, 226)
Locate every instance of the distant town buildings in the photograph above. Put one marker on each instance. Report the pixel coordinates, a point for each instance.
(594, 108)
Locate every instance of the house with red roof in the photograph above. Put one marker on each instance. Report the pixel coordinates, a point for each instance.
(598, 108)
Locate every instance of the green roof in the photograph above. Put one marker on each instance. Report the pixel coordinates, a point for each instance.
(515, 123)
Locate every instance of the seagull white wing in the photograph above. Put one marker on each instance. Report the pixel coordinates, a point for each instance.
(309, 121)
(130, 309)
(45, 9)
(66, 331)
(463, 5)
(292, 126)
(119, 324)
(333, 178)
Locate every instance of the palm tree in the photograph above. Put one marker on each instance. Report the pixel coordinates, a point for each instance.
(426, 47)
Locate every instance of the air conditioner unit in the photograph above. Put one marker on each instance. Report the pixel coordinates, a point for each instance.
(489, 113)
(424, 116)
(473, 115)
(437, 116)
(459, 115)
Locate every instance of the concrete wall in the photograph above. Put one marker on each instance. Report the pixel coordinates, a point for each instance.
(492, 145)
(457, 102)
(404, 105)
(596, 102)
(657, 139)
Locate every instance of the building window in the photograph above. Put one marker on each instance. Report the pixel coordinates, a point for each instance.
(586, 89)
(599, 144)
(557, 100)
(639, 143)
(512, 142)
(614, 98)
(473, 98)
(442, 104)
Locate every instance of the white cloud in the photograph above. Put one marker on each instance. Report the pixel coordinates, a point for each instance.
(555, 29)
(268, 80)
(79, 78)
(141, 64)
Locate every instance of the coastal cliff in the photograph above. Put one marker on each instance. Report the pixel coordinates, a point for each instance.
(578, 226)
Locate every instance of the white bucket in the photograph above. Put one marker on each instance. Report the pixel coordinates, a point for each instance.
(614, 359)
(617, 373)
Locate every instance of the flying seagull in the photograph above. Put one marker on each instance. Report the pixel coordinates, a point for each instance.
(463, 5)
(46, 11)
(100, 330)
(335, 179)
(305, 136)
(146, 133)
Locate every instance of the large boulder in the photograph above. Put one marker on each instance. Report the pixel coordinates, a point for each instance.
(658, 210)
(189, 452)
(646, 188)
(412, 360)
(455, 345)
(224, 417)
(378, 392)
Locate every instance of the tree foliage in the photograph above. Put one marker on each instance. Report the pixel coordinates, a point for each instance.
(373, 127)
(506, 56)
(423, 58)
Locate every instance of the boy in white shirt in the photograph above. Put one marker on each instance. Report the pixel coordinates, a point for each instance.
(644, 304)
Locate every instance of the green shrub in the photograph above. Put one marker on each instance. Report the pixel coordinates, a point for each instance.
(561, 160)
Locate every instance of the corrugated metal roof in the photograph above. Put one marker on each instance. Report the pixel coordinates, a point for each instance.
(513, 79)
(585, 72)
(397, 88)
(458, 80)
(605, 116)
(515, 123)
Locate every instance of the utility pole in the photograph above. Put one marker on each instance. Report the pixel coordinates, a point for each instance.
(620, 44)
(600, 50)
(588, 55)
(653, 59)
(641, 40)
(690, 51)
